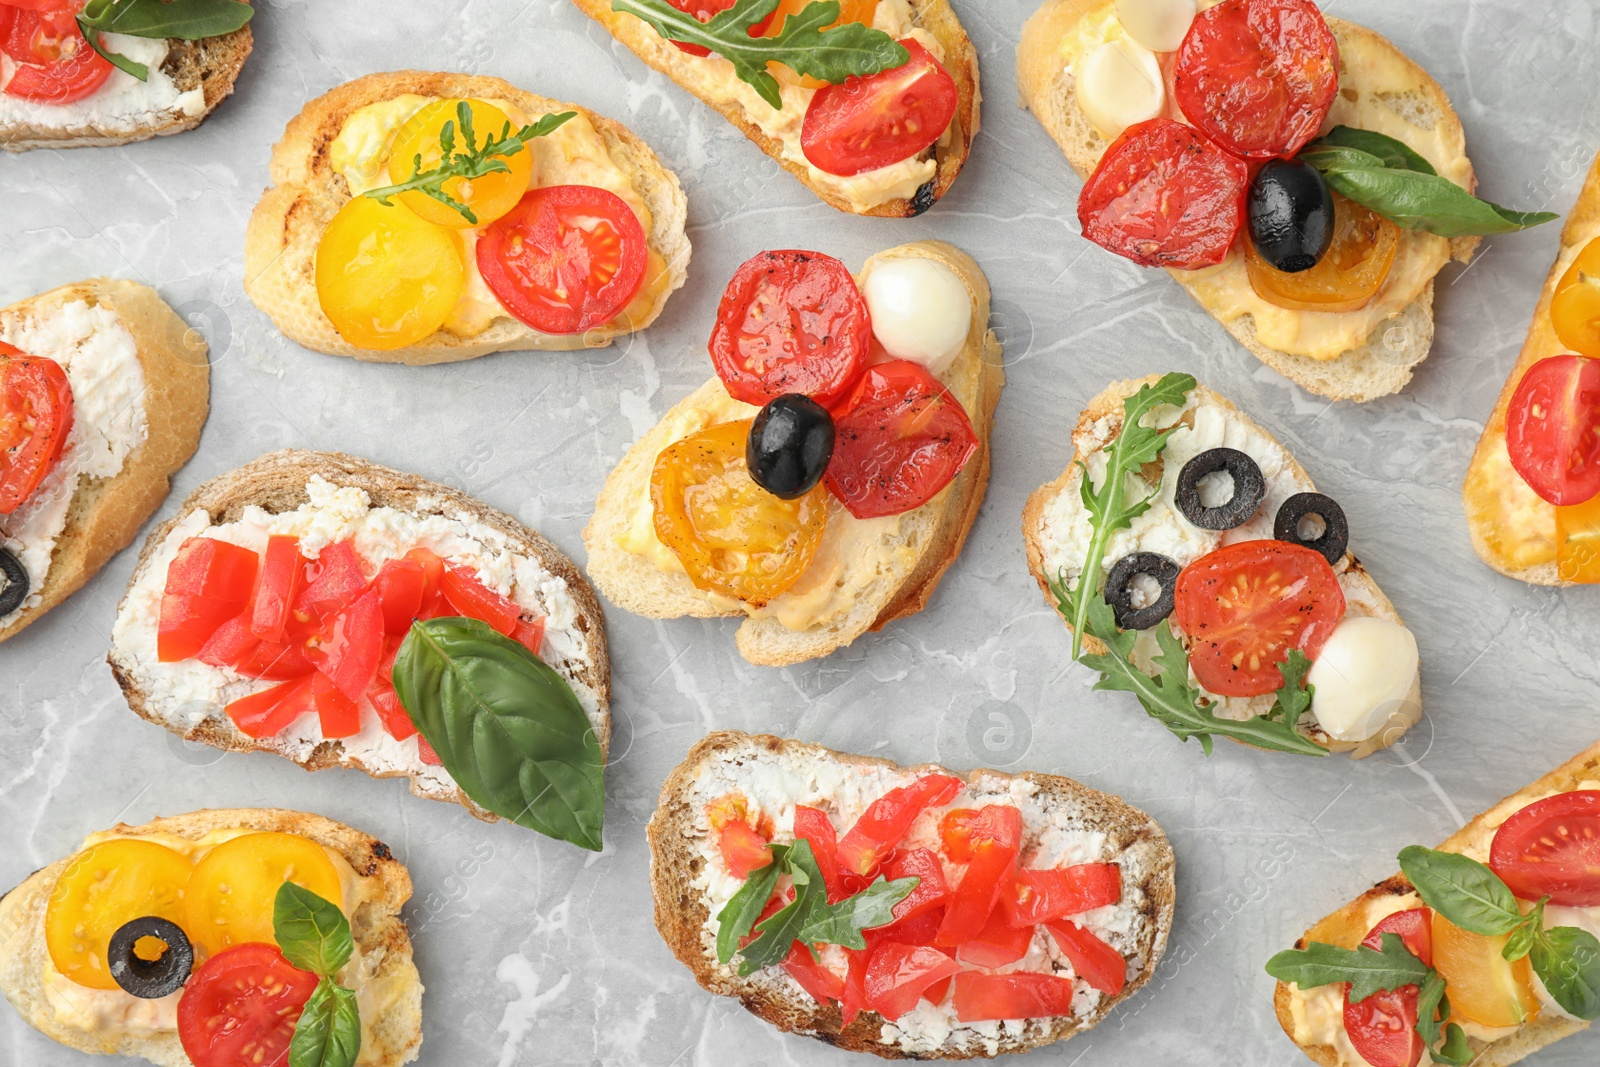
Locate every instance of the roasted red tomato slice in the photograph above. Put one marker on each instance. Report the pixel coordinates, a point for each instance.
(1164, 196)
(900, 439)
(35, 422)
(886, 820)
(865, 123)
(790, 322)
(1553, 429)
(55, 65)
(241, 1006)
(1258, 76)
(1245, 606)
(705, 11)
(1552, 848)
(567, 258)
(1383, 1028)
(982, 997)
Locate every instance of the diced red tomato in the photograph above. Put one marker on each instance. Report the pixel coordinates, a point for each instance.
(205, 566)
(997, 944)
(228, 643)
(530, 635)
(340, 716)
(743, 849)
(433, 576)
(897, 974)
(960, 826)
(854, 1000)
(814, 826)
(336, 580)
(187, 623)
(400, 584)
(918, 930)
(931, 891)
(469, 596)
(823, 985)
(349, 653)
(983, 997)
(1092, 959)
(396, 719)
(779, 901)
(283, 571)
(886, 820)
(36, 412)
(936, 993)
(1383, 1028)
(274, 661)
(1037, 896)
(269, 711)
(426, 753)
(994, 860)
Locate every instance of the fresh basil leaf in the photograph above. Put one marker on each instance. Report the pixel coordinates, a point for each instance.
(842, 923)
(740, 913)
(312, 932)
(187, 20)
(116, 59)
(1415, 201)
(1388, 151)
(507, 728)
(328, 1033)
(1367, 970)
(1461, 889)
(1520, 943)
(1567, 961)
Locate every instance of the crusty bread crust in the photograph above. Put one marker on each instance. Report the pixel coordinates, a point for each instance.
(378, 930)
(286, 227)
(1347, 926)
(680, 913)
(935, 16)
(277, 482)
(106, 513)
(937, 530)
(1381, 366)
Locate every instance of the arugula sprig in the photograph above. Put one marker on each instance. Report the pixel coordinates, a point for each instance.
(468, 162)
(314, 935)
(187, 20)
(803, 43)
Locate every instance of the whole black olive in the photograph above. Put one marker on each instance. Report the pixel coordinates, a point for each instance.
(1302, 515)
(1291, 215)
(13, 583)
(1249, 489)
(790, 444)
(1119, 589)
(150, 979)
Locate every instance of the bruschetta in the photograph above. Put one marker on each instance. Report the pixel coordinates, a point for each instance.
(872, 104)
(252, 925)
(1301, 177)
(823, 482)
(324, 608)
(1481, 952)
(1532, 493)
(423, 218)
(1198, 568)
(103, 393)
(940, 916)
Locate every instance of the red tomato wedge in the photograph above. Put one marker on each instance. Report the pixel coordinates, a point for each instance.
(997, 944)
(900, 439)
(336, 579)
(705, 11)
(1258, 76)
(401, 584)
(994, 860)
(931, 890)
(869, 122)
(566, 259)
(790, 322)
(469, 596)
(1246, 605)
(55, 65)
(886, 820)
(982, 997)
(241, 1006)
(36, 410)
(743, 849)
(814, 826)
(1164, 196)
(897, 975)
(283, 571)
(1038, 896)
(1383, 1028)
(433, 577)
(1553, 429)
(823, 985)
(1552, 848)
(1092, 959)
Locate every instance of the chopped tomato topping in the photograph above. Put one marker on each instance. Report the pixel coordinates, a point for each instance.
(336, 581)
(340, 716)
(470, 597)
(997, 944)
(283, 572)
(823, 985)
(1038, 896)
(349, 654)
(897, 975)
(994, 858)
(885, 822)
(265, 713)
(982, 997)
(931, 890)
(743, 849)
(401, 584)
(205, 566)
(814, 826)
(854, 1001)
(530, 634)
(1094, 961)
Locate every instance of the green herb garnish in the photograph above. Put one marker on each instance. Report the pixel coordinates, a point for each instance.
(187, 20)
(314, 935)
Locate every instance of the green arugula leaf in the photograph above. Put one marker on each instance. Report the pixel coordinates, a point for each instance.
(188, 20)
(1294, 695)
(1388, 151)
(328, 1033)
(842, 923)
(1567, 961)
(740, 913)
(779, 931)
(1367, 970)
(1461, 889)
(803, 44)
(312, 933)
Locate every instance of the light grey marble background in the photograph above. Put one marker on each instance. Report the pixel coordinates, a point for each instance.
(534, 952)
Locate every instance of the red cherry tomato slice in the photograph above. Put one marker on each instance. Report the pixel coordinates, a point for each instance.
(983, 997)
(1553, 429)
(241, 1006)
(566, 259)
(1037, 896)
(897, 975)
(1258, 76)
(1552, 848)
(283, 571)
(790, 322)
(865, 123)
(1092, 959)
(993, 865)
(900, 439)
(705, 11)
(1383, 1028)
(1164, 196)
(813, 826)
(36, 412)
(1246, 605)
(886, 820)
(55, 65)
(932, 890)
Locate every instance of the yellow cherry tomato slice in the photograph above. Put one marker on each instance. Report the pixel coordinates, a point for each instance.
(102, 888)
(231, 894)
(861, 11)
(387, 278)
(1483, 985)
(732, 536)
(1576, 306)
(1578, 540)
(487, 197)
(1347, 277)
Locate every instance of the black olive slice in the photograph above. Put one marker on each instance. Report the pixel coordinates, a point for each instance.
(1303, 514)
(791, 441)
(1119, 589)
(150, 979)
(1249, 489)
(13, 583)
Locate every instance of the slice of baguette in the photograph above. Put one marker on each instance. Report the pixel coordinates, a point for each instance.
(936, 531)
(280, 251)
(679, 836)
(276, 483)
(1349, 569)
(106, 513)
(211, 64)
(1349, 925)
(935, 16)
(385, 944)
(1504, 516)
(1381, 366)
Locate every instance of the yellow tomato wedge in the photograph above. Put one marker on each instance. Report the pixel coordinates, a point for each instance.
(1575, 309)
(101, 889)
(231, 894)
(862, 11)
(387, 278)
(487, 197)
(1483, 985)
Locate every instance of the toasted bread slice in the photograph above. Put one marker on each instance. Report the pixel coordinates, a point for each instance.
(391, 1039)
(277, 482)
(1512, 528)
(1103, 416)
(931, 536)
(1384, 363)
(1349, 925)
(106, 513)
(679, 837)
(746, 111)
(286, 227)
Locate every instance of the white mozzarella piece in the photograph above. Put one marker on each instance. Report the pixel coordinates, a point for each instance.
(1159, 25)
(920, 311)
(1119, 84)
(1364, 673)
